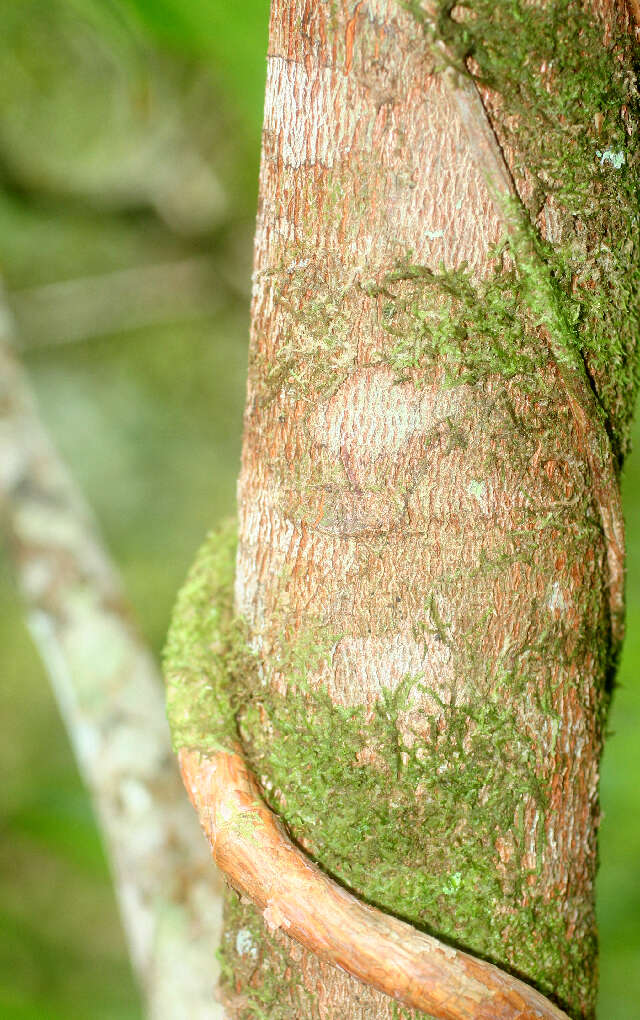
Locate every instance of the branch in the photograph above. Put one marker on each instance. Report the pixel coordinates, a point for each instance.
(110, 697)
(93, 306)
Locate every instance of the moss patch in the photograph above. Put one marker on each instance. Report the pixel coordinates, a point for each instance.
(446, 320)
(410, 816)
(466, 780)
(206, 647)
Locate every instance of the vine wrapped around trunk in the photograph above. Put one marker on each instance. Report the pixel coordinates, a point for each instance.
(429, 576)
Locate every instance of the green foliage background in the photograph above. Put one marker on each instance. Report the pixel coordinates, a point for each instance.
(149, 419)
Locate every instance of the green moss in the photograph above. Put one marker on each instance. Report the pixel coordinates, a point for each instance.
(427, 852)
(446, 320)
(461, 777)
(316, 352)
(206, 645)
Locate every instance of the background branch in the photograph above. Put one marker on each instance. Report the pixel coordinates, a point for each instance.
(140, 296)
(111, 698)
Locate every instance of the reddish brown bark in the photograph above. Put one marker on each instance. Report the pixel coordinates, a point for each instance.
(349, 511)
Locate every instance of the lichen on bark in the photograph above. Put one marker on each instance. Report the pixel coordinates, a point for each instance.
(419, 665)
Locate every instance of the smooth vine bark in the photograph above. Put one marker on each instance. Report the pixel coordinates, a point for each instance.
(429, 572)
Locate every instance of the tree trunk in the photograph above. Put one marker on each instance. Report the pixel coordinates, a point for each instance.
(429, 561)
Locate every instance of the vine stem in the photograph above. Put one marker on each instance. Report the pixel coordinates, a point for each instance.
(252, 848)
(545, 299)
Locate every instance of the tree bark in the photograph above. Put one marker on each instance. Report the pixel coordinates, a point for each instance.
(429, 564)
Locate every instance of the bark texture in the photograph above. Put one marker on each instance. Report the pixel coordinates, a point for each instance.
(429, 561)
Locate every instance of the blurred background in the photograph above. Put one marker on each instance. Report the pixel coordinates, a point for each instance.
(129, 148)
